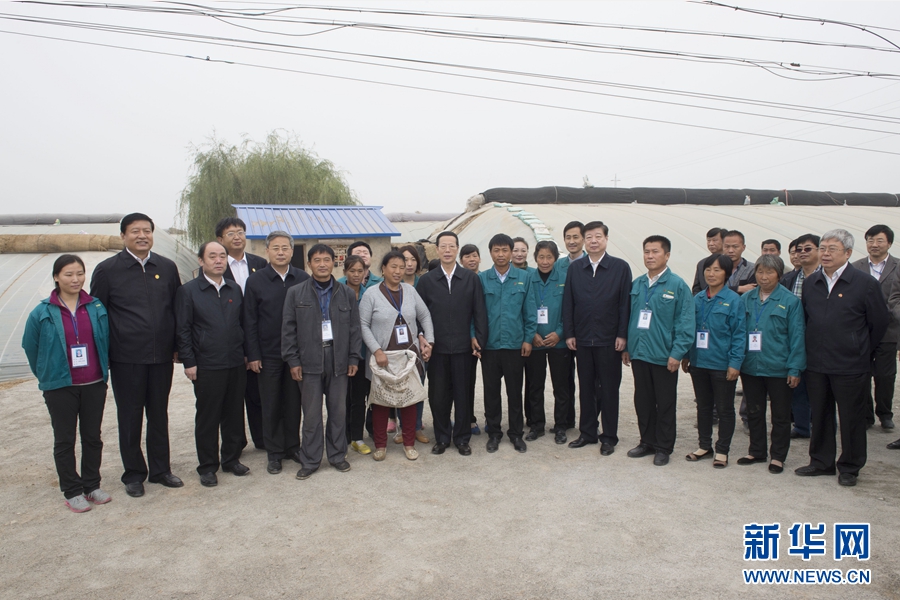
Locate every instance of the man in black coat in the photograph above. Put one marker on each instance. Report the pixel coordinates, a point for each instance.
(846, 316)
(138, 288)
(231, 232)
(264, 296)
(455, 299)
(596, 308)
(211, 346)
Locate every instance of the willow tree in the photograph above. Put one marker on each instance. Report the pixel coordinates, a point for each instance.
(277, 171)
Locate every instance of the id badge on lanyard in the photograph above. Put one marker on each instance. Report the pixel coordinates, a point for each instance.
(644, 319)
(402, 333)
(327, 335)
(79, 355)
(543, 315)
(755, 341)
(702, 340)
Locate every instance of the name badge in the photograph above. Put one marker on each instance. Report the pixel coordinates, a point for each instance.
(79, 355)
(327, 336)
(755, 343)
(543, 315)
(644, 319)
(402, 333)
(702, 340)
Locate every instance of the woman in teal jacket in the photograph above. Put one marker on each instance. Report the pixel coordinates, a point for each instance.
(776, 355)
(67, 344)
(715, 358)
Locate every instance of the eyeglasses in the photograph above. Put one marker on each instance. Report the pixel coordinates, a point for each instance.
(806, 250)
(832, 249)
(232, 234)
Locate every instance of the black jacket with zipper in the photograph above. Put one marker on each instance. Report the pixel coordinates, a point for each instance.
(264, 295)
(210, 333)
(455, 309)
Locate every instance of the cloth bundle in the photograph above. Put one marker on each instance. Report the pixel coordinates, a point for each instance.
(397, 385)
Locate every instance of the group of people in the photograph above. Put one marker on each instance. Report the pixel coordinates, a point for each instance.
(261, 335)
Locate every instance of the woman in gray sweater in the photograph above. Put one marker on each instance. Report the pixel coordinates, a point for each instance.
(390, 314)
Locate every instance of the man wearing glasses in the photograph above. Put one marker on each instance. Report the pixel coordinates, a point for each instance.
(231, 232)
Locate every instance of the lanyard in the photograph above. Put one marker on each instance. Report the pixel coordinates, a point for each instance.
(876, 271)
(325, 302)
(75, 320)
(759, 313)
(712, 303)
(399, 306)
(649, 292)
(542, 289)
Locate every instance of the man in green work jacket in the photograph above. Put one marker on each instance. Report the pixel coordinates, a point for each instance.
(512, 323)
(660, 334)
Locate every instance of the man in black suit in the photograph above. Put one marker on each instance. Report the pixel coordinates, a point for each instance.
(138, 288)
(846, 317)
(455, 299)
(884, 269)
(264, 295)
(231, 232)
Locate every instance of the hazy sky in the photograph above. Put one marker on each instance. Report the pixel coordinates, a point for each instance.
(90, 128)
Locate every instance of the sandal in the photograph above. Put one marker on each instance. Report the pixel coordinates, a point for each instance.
(699, 455)
(720, 463)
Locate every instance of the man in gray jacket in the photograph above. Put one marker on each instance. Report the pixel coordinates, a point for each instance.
(320, 341)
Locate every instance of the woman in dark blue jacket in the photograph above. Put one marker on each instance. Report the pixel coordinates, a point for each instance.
(67, 344)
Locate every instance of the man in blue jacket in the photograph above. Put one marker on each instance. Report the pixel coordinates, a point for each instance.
(595, 323)
(660, 334)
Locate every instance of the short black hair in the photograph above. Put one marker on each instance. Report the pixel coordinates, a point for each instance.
(202, 251)
(596, 225)
(131, 218)
(433, 264)
(716, 232)
(808, 237)
(792, 245)
(734, 233)
(573, 225)
(392, 255)
(774, 242)
(227, 222)
(320, 249)
(469, 249)
(63, 261)
(546, 245)
(724, 263)
(359, 244)
(437, 240)
(501, 239)
(659, 239)
(876, 229)
(520, 239)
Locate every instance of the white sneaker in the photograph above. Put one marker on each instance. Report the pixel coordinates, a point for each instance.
(98, 496)
(78, 504)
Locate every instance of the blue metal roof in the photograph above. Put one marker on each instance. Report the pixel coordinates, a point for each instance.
(320, 222)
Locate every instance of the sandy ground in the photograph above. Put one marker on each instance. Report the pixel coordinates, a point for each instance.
(554, 522)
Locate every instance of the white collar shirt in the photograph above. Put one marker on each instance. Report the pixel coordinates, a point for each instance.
(502, 277)
(594, 265)
(833, 279)
(449, 276)
(652, 280)
(876, 269)
(240, 269)
(143, 262)
(218, 286)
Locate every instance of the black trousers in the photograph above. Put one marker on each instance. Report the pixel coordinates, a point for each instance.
(253, 402)
(527, 406)
(712, 389)
(599, 377)
(139, 389)
(535, 382)
(570, 415)
(77, 407)
(756, 389)
(470, 391)
(280, 399)
(357, 392)
(884, 369)
(655, 397)
(220, 406)
(508, 366)
(448, 378)
(849, 393)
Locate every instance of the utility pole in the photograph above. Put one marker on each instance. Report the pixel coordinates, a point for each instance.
(615, 180)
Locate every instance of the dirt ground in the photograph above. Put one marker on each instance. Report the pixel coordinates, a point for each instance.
(552, 523)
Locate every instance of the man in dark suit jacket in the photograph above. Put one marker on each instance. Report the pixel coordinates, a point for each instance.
(231, 232)
(846, 317)
(138, 288)
(885, 269)
(455, 299)
(264, 296)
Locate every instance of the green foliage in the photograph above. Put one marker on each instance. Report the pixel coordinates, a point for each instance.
(278, 171)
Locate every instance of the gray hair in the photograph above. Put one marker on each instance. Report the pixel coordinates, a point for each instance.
(277, 234)
(770, 261)
(841, 235)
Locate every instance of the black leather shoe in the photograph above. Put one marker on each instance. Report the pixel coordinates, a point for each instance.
(519, 444)
(134, 489)
(607, 449)
(776, 469)
(887, 423)
(661, 459)
(168, 480)
(895, 445)
(493, 444)
(209, 480)
(464, 449)
(296, 457)
(749, 460)
(641, 450)
(237, 469)
(439, 448)
(560, 437)
(581, 442)
(811, 471)
(534, 434)
(847, 479)
(274, 467)
(342, 466)
(797, 435)
(305, 473)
